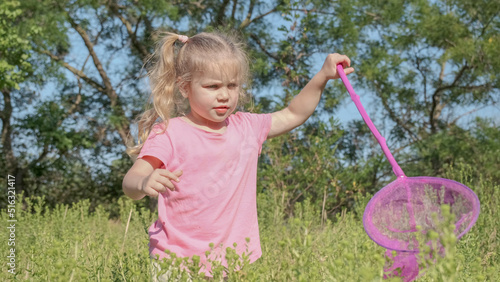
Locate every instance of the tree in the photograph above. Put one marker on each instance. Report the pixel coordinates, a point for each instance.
(92, 54)
(428, 63)
(94, 51)
(14, 68)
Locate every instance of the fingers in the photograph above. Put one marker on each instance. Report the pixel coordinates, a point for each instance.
(346, 62)
(152, 192)
(178, 173)
(330, 66)
(336, 59)
(159, 181)
(165, 177)
(348, 70)
(169, 175)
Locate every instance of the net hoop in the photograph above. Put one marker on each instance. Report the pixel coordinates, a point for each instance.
(449, 185)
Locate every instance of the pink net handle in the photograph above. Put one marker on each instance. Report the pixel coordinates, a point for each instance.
(381, 140)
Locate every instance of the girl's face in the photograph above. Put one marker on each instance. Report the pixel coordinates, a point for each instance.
(212, 98)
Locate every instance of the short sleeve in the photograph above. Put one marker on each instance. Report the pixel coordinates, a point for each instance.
(265, 121)
(158, 145)
(259, 124)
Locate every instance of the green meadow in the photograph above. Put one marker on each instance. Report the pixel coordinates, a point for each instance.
(73, 243)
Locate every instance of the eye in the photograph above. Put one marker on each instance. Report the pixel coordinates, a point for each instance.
(232, 86)
(212, 86)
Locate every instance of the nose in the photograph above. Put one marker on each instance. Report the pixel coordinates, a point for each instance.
(223, 94)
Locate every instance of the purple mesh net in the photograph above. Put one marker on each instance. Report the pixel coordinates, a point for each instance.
(393, 214)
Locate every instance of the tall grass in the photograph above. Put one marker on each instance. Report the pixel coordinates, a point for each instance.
(72, 244)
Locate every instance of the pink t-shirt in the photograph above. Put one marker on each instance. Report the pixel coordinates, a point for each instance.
(215, 199)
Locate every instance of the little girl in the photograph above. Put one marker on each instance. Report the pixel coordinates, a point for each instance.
(202, 166)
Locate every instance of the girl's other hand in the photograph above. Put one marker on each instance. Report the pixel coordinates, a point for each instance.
(146, 178)
(159, 180)
(329, 68)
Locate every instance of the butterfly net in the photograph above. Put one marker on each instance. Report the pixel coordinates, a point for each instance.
(393, 214)
(397, 215)
(411, 206)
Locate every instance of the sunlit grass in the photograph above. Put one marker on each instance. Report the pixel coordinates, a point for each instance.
(71, 244)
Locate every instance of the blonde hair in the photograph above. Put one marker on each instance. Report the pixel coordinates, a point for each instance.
(173, 67)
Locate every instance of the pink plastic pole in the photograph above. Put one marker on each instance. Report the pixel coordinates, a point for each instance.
(381, 140)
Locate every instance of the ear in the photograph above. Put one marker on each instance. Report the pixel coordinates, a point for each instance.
(183, 87)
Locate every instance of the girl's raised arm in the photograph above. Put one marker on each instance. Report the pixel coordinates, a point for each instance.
(303, 105)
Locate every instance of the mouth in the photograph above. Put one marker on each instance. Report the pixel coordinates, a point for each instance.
(221, 109)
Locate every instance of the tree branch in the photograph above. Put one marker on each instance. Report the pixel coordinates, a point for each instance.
(248, 21)
(5, 115)
(437, 105)
(394, 116)
(453, 122)
(75, 71)
(123, 126)
(398, 121)
(108, 87)
(262, 47)
(233, 12)
(316, 11)
(219, 18)
(131, 33)
(485, 27)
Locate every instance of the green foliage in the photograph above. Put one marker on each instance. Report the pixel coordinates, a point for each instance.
(14, 47)
(478, 148)
(305, 248)
(421, 63)
(69, 242)
(72, 243)
(301, 166)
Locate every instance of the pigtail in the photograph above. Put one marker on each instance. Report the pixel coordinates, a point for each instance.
(162, 78)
